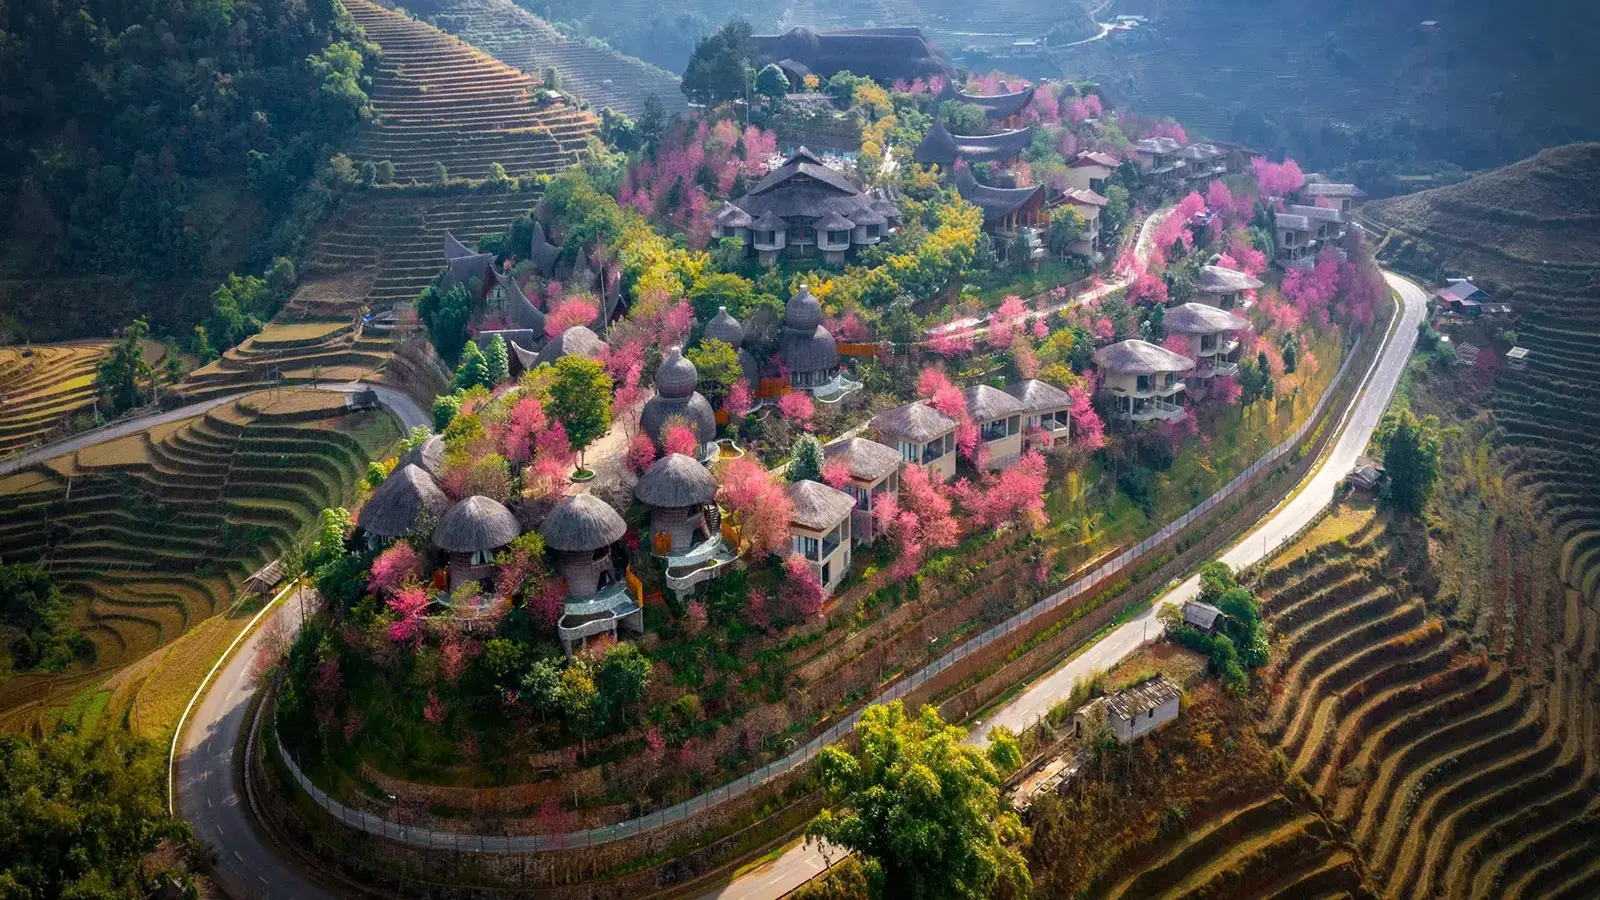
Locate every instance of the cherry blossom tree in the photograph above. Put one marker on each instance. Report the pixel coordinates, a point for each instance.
(835, 474)
(1147, 290)
(571, 312)
(527, 419)
(1277, 179)
(797, 407)
(1088, 429)
(393, 568)
(1016, 494)
(641, 453)
(408, 605)
(756, 503)
(680, 438)
(1003, 323)
(738, 402)
(801, 591)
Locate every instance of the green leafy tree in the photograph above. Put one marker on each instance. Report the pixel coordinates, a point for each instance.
(36, 619)
(552, 78)
(772, 83)
(652, 123)
(498, 360)
(580, 399)
(805, 460)
(922, 809)
(1066, 226)
(1410, 459)
(963, 118)
(713, 292)
(717, 69)
(385, 172)
(1114, 215)
(78, 813)
(445, 408)
(718, 365)
(124, 378)
(441, 173)
(474, 369)
(327, 542)
(445, 313)
(620, 682)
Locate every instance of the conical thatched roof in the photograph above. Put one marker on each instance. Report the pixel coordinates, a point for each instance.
(676, 376)
(724, 328)
(803, 312)
(818, 507)
(580, 524)
(1136, 357)
(985, 403)
(476, 523)
(428, 456)
(397, 504)
(916, 421)
(1217, 280)
(1198, 318)
(676, 481)
(1038, 396)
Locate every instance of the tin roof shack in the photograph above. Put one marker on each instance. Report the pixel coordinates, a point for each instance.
(1203, 616)
(1132, 712)
(1366, 476)
(1047, 779)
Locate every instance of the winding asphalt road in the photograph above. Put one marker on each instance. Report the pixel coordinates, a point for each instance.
(800, 863)
(249, 867)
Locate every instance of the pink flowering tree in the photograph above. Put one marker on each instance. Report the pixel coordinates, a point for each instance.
(680, 439)
(1088, 429)
(835, 474)
(801, 591)
(920, 521)
(1016, 494)
(641, 453)
(1005, 320)
(758, 507)
(1147, 290)
(1277, 179)
(408, 604)
(393, 568)
(738, 402)
(571, 312)
(526, 421)
(797, 407)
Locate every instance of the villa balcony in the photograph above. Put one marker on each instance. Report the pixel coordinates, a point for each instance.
(699, 564)
(1217, 369)
(599, 613)
(1158, 410)
(835, 389)
(1151, 391)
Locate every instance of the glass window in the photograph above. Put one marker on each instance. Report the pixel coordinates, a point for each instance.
(909, 451)
(1013, 424)
(993, 431)
(809, 547)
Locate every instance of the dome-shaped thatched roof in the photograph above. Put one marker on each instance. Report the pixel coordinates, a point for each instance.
(724, 328)
(803, 311)
(476, 523)
(575, 341)
(427, 456)
(809, 351)
(676, 376)
(1198, 318)
(694, 409)
(1136, 357)
(397, 504)
(580, 524)
(676, 481)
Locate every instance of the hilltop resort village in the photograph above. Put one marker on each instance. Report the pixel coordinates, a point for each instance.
(480, 449)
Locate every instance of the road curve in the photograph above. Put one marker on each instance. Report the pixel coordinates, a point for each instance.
(800, 863)
(249, 867)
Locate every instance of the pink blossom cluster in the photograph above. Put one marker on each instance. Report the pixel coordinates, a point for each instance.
(695, 162)
(918, 521)
(1277, 179)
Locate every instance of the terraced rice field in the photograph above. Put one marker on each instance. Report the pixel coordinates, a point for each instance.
(1435, 768)
(153, 533)
(522, 40)
(293, 353)
(44, 386)
(1525, 233)
(439, 100)
(385, 248)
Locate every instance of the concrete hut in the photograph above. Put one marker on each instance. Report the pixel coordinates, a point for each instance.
(677, 490)
(472, 532)
(809, 349)
(725, 328)
(580, 532)
(575, 341)
(404, 498)
(676, 397)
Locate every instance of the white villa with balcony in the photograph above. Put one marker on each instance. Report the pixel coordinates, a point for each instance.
(998, 416)
(819, 530)
(1046, 412)
(1224, 288)
(1145, 380)
(1213, 339)
(1341, 197)
(922, 435)
(1087, 204)
(1091, 171)
(1297, 240)
(874, 478)
(1160, 158)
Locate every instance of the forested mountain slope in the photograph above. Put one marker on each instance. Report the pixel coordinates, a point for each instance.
(1363, 86)
(158, 143)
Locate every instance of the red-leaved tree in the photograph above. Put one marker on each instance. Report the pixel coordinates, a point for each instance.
(757, 505)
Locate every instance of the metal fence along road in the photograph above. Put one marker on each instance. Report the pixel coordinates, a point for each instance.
(604, 834)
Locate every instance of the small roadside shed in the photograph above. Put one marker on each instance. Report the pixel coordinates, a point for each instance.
(1203, 616)
(1132, 712)
(1366, 476)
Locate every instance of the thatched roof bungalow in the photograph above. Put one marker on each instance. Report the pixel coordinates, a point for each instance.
(407, 496)
(677, 489)
(472, 532)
